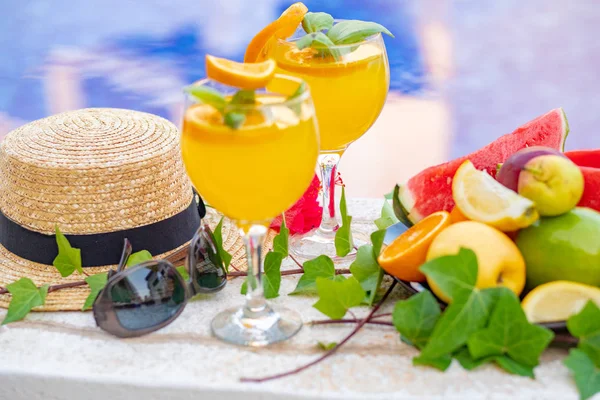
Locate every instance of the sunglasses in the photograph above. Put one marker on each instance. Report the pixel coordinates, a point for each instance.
(148, 296)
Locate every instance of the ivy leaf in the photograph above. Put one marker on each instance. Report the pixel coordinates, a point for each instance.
(585, 373)
(367, 271)
(442, 363)
(459, 321)
(337, 296)
(25, 296)
(280, 242)
(509, 333)
(416, 317)
(388, 218)
(182, 269)
(586, 326)
(508, 364)
(326, 346)
(207, 95)
(315, 22)
(320, 267)
(68, 259)
(343, 236)
(218, 238)
(377, 239)
(234, 119)
(138, 258)
(96, 283)
(272, 277)
(455, 275)
(354, 31)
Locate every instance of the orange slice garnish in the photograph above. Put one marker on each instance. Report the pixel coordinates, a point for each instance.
(282, 28)
(403, 257)
(244, 76)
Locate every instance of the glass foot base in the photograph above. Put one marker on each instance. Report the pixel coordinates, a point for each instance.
(316, 243)
(272, 325)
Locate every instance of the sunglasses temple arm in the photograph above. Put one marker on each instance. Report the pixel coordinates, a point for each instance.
(127, 249)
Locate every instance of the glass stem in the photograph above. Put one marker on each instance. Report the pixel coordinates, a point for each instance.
(328, 164)
(255, 299)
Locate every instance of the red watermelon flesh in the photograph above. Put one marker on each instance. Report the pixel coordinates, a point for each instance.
(589, 163)
(431, 190)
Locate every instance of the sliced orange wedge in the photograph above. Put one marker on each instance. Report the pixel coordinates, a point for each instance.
(244, 76)
(403, 257)
(282, 28)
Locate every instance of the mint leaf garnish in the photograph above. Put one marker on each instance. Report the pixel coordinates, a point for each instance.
(586, 326)
(320, 42)
(455, 275)
(416, 317)
(234, 119)
(96, 283)
(367, 271)
(25, 296)
(272, 276)
(280, 242)
(320, 267)
(218, 238)
(343, 236)
(354, 31)
(337, 296)
(388, 218)
(243, 97)
(207, 95)
(315, 22)
(182, 269)
(585, 373)
(138, 258)
(68, 259)
(509, 333)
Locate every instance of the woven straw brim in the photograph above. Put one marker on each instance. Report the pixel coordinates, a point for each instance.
(13, 268)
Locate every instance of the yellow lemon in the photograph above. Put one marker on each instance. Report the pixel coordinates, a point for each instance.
(500, 262)
(558, 300)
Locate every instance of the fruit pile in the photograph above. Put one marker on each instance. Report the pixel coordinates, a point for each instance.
(526, 209)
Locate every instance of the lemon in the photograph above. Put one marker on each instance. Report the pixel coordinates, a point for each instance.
(499, 261)
(558, 300)
(479, 197)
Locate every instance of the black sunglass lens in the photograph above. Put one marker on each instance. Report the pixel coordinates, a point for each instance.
(209, 271)
(148, 296)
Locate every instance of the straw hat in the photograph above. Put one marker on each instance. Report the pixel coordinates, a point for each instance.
(99, 175)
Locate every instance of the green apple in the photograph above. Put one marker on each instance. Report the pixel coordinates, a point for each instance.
(566, 247)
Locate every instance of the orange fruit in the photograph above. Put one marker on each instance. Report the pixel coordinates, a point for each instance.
(244, 76)
(282, 28)
(403, 257)
(457, 216)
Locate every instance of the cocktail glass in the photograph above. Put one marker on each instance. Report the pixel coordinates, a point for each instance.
(252, 174)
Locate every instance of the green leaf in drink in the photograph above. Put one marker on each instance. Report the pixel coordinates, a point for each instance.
(337, 296)
(244, 97)
(320, 42)
(68, 259)
(316, 22)
(25, 296)
(354, 31)
(234, 119)
(208, 96)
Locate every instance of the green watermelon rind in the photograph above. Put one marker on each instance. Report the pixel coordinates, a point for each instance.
(406, 200)
(399, 210)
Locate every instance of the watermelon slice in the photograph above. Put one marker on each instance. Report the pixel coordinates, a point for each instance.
(589, 163)
(431, 190)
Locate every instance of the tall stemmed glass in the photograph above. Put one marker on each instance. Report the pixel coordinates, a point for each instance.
(349, 85)
(252, 174)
